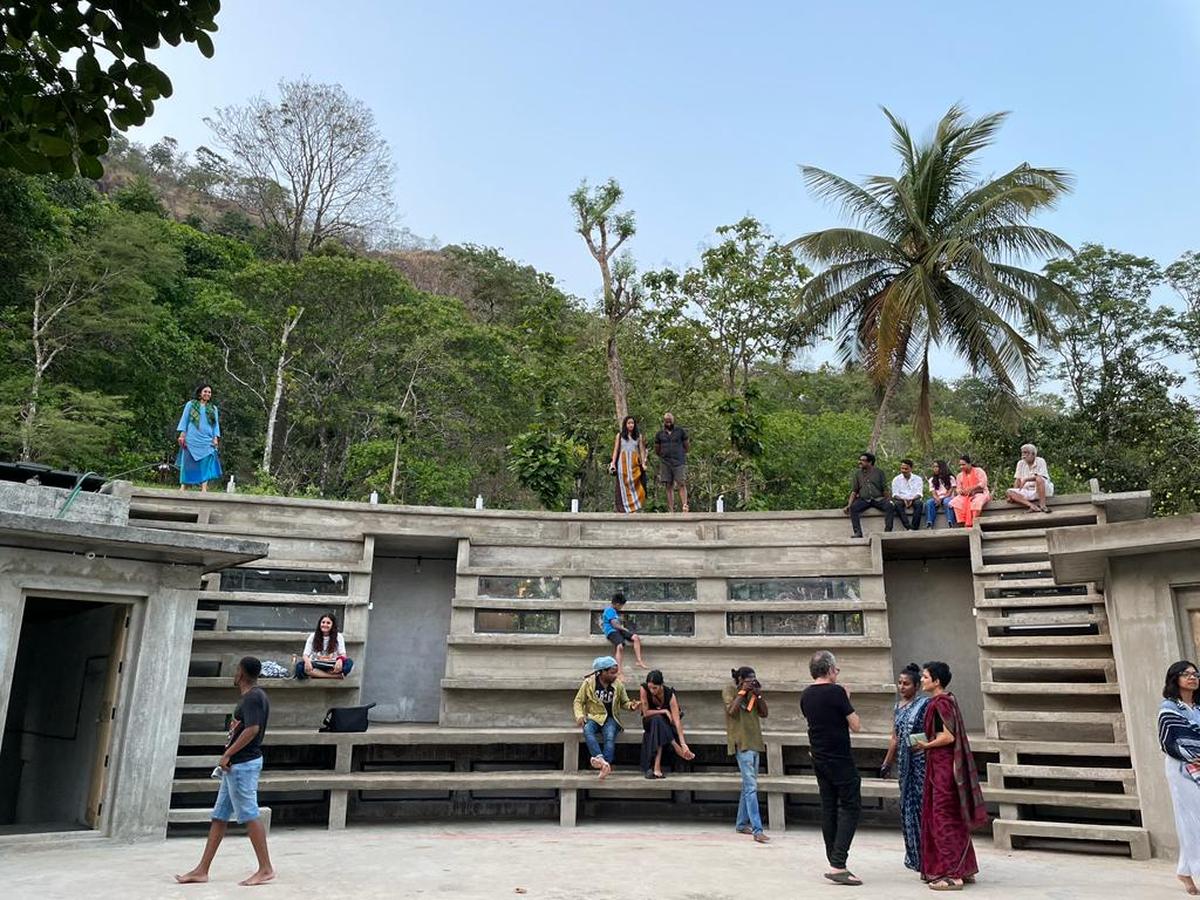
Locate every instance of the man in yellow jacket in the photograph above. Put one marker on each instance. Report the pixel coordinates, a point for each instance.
(596, 704)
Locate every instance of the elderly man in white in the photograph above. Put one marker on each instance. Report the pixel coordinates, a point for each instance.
(1031, 481)
(908, 492)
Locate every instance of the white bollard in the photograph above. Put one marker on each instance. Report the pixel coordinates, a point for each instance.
(479, 501)
(230, 486)
(574, 504)
(720, 503)
(374, 498)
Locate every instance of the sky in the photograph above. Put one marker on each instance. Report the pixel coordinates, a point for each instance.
(704, 111)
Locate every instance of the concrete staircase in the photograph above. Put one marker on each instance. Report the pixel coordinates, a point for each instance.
(1047, 674)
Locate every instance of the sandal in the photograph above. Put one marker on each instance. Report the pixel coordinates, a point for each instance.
(945, 884)
(849, 879)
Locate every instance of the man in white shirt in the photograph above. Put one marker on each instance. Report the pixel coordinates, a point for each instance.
(908, 491)
(1031, 481)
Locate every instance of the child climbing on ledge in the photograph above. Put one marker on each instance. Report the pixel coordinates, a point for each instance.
(616, 632)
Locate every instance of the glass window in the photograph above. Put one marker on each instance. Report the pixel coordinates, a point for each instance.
(519, 588)
(269, 617)
(679, 624)
(285, 581)
(644, 590)
(504, 621)
(794, 623)
(794, 589)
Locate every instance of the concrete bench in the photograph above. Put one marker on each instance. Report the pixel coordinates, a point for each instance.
(203, 815)
(1138, 839)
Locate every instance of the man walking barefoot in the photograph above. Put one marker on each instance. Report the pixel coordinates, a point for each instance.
(240, 766)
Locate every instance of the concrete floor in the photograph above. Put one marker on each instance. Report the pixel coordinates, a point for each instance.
(540, 861)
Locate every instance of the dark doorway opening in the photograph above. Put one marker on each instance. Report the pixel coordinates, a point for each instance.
(56, 754)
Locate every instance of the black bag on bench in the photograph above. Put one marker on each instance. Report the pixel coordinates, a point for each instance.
(346, 718)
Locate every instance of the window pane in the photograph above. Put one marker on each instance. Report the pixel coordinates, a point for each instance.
(679, 624)
(644, 590)
(794, 623)
(794, 589)
(268, 617)
(519, 588)
(503, 621)
(285, 581)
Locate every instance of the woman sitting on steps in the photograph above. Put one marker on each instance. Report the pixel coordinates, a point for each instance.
(662, 725)
(324, 652)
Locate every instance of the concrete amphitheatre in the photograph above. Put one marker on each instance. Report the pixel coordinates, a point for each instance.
(471, 629)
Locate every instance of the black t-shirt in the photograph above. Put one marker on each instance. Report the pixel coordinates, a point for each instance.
(826, 707)
(253, 709)
(606, 695)
(670, 444)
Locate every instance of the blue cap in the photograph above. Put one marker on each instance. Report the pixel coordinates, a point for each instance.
(600, 663)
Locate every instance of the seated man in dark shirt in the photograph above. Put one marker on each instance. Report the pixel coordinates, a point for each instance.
(831, 718)
(869, 489)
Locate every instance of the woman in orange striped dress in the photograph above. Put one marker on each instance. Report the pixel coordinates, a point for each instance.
(629, 465)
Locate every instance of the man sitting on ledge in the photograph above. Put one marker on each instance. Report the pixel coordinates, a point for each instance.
(596, 705)
(1031, 481)
(868, 489)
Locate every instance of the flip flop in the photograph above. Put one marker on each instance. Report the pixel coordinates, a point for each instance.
(944, 884)
(849, 879)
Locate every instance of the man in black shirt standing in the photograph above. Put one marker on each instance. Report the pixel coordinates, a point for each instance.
(238, 771)
(671, 445)
(831, 718)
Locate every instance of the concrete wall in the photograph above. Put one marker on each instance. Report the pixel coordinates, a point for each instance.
(53, 722)
(406, 638)
(162, 603)
(1146, 639)
(931, 616)
(32, 500)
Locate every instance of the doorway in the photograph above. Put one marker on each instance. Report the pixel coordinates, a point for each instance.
(55, 755)
(411, 598)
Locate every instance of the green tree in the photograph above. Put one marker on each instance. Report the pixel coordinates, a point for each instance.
(934, 264)
(604, 230)
(58, 104)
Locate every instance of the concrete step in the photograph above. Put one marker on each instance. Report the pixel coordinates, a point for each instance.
(996, 536)
(1045, 666)
(275, 684)
(1050, 688)
(994, 721)
(1090, 599)
(1038, 570)
(567, 686)
(1038, 617)
(1000, 516)
(1138, 839)
(1037, 640)
(204, 815)
(997, 772)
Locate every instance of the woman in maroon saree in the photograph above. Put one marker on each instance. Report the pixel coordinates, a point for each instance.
(952, 805)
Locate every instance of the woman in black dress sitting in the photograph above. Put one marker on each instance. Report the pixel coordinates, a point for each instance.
(662, 725)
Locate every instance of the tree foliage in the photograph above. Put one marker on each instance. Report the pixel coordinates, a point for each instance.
(71, 72)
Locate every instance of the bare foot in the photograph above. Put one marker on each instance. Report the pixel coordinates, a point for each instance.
(597, 762)
(1188, 884)
(605, 769)
(642, 665)
(258, 877)
(193, 877)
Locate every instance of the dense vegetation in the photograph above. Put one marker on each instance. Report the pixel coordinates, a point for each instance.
(346, 359)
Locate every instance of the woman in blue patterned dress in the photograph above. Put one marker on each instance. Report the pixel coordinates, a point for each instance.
(909, 716)
(199, 436)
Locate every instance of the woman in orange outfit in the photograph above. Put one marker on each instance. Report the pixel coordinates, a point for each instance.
(972, 492)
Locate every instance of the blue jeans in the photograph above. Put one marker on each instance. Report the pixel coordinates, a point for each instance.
(237, 797)
(931, 508)
(748, 814)
(609, 730)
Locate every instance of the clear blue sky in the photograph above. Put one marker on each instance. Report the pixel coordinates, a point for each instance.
(704, 110)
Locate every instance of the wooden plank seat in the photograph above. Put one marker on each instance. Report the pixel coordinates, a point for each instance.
(1138, 839)
(198, 815)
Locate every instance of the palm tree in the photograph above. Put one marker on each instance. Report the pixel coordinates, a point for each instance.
(934, 262)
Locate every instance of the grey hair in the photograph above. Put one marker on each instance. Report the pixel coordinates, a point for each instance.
(821, 664)
(1030, 447)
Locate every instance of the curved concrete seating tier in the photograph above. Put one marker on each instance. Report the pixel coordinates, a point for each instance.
(1033, 658)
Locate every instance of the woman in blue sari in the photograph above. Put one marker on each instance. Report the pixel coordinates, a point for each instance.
(908, 718)
(199, 436)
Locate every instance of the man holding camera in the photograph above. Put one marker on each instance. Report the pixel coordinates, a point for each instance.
(745, 708)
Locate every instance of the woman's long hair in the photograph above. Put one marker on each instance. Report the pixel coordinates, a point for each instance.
(941, 474)
(635, 434)
(1171, 687)
(319, 644)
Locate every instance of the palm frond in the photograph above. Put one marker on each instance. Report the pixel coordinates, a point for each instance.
(839, 245)
(859, 205)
